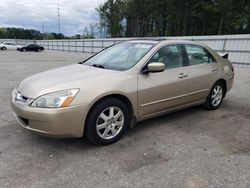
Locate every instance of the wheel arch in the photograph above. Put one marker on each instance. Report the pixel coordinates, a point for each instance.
(223, 81)
(119, 96)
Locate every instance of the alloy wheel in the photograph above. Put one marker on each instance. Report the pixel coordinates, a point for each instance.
(110, 122)
(217, 95)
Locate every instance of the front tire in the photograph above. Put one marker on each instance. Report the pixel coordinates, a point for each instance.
(107, 121)
(215, 96)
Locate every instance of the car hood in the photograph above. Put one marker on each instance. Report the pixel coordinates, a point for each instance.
(67, 77)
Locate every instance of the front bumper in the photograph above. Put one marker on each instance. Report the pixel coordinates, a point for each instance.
(52, 122)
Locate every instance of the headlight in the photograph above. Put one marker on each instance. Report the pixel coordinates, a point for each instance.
(56, 99)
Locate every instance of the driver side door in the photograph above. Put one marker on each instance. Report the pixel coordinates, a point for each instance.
(162, 91)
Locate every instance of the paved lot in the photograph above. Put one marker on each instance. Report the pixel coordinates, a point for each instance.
(191, 148)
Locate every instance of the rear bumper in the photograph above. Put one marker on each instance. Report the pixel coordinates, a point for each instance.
(52, 122)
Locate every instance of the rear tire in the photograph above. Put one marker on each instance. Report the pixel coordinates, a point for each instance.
(215, 96)
(107, 121)
(3, 48)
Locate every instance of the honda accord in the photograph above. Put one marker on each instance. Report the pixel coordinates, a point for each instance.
(128, 82)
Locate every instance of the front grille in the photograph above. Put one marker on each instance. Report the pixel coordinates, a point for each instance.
(24, 120)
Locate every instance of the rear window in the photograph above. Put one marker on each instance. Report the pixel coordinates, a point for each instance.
(198, 55)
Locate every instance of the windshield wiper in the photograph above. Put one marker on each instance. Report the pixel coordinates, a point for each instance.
(99, 66)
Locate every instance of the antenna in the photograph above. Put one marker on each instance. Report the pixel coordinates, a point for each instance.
(58, 17)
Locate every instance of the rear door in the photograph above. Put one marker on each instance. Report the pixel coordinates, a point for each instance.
(202, 71)
(8, 45)
(158, 92)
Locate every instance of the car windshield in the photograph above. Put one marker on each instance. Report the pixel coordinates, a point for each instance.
(120, 57)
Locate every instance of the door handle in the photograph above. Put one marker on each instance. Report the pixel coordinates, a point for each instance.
(182, 75)
(213, 69)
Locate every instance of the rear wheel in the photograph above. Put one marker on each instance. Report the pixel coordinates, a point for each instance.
(215, 96)
(107, 121)
(3, 48)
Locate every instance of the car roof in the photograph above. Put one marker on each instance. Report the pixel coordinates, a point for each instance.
(143, 41)
(163, 41)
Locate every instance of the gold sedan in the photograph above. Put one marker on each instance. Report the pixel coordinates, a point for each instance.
(126, 83)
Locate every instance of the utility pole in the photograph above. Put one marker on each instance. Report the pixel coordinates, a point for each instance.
(58, 17)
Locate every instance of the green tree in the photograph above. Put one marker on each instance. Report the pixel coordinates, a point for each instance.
(175, 17)
(111, 15)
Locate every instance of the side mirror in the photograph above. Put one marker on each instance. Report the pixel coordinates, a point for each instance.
(154, 67)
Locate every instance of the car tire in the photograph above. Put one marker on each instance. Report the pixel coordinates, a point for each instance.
(215, 97)
(3, 48)
(107, 121)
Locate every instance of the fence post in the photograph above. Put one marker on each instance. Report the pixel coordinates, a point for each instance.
(224, 44)
(83, 46)
(75, 46)
(92, 46)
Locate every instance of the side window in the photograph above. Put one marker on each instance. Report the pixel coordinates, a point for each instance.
(198, 55)
(170, 55)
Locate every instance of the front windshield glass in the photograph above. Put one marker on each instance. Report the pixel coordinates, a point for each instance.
(120, 57)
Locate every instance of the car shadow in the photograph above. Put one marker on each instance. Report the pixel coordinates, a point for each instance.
(83, 143)
(217, 124)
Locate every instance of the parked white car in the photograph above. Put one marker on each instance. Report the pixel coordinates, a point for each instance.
(9, 46)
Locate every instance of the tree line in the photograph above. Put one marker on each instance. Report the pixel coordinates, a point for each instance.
(20, 33)
(148, 18)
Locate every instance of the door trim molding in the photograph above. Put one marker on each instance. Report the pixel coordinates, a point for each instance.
(171, 110)
(172, 98)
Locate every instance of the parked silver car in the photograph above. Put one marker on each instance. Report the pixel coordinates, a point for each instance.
(9, 46)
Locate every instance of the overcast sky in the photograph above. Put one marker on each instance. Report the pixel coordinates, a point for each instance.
(75, 14)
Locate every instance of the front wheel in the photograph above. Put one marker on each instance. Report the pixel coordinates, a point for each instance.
(215, 96)
(107, 121)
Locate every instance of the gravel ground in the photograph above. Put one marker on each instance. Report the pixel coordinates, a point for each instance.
(191, 148)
